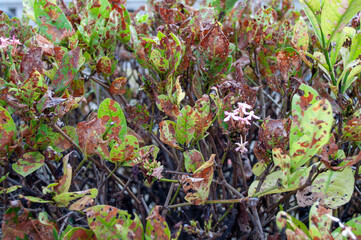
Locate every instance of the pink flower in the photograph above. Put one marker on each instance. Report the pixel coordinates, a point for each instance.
(232, 115)
(241, 146)
(251, 115)
(157, 172)
(243, 107)
(4, 42)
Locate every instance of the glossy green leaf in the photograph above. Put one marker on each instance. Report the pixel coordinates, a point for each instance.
(29, 163)
(185, 127)
(350, 78)
(335, 15)
(112, 117)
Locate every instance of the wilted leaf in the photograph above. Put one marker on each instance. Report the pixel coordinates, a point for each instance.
(17, 223)
(90, 135)
(197, 186)
(29, 163)
(275, 133)
(65, 181)
(64, 199)
(32, 62)
(157, 227)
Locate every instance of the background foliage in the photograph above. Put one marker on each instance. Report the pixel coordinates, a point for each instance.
(180, 122)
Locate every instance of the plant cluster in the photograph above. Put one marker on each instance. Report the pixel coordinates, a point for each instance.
(181, 122)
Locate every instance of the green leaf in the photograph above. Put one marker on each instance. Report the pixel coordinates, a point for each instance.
(313, 10)
(112, 117)
(350, 78)
(35, 199)
(125, 151)
(193, 159)
(310, 131)
(335, 15)
(51, 20)
(185, 127)
(29, 163)
(340, 38)
(65, 181)
(8, 131)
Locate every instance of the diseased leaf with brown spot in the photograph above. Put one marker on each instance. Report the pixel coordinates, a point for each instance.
(288, 63)
(118, 225)
(117, 86)
(165, 104)
(17, 223)
(7, 131)
(197, 186)
(138, 115)
(310, 132)
(32, 62)
(82, 203)
(67, 71)
(60, 144)
(112, 117)
(104, 65)
(80, 233)
(167, 133)
(76, 88)
(275, 133)
(202, 116)
(51, 20)
(193, 160)
(185, 128)
(90, 135)
(352, 127)
(157, 227)
(29, 163)
(124, 151)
